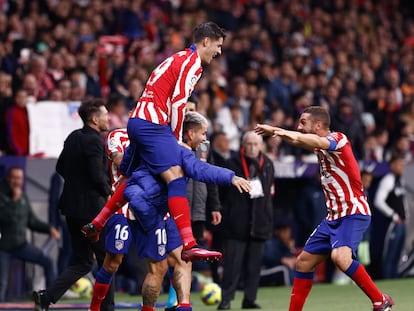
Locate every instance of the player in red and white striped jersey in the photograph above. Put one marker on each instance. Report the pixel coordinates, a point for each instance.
(155, 126)
(349, 215)
(117, 142)
(340, 179)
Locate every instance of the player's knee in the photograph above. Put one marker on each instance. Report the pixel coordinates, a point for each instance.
(342, 257)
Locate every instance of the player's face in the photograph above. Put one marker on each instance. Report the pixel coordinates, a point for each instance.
(198, 136)
(305, 124)
(212, 48)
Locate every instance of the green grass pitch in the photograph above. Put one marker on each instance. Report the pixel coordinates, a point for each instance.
(323, 297)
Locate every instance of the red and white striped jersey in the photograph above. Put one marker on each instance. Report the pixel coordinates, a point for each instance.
(117, 142)
(167, 90)
(341, 179)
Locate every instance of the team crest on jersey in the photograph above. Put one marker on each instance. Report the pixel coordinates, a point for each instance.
(193, 81)
(119, 244)
(161, 250)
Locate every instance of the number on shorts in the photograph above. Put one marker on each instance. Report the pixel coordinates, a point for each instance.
(161, 236)
(121, 233)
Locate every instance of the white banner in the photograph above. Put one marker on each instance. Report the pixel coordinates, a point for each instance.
(50, 124)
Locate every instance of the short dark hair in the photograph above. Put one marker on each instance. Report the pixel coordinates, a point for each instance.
(89, 108)
(319, 113)
(396, 156)
(208, 30)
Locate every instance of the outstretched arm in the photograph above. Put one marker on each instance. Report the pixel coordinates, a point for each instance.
(205, 172)
(303, 140)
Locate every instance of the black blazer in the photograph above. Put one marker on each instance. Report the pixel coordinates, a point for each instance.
(245, 218)
(83, 164)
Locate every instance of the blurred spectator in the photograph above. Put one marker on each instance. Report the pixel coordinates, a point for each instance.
(6, 94)
(93, 86)
(79, 81)
(347, 121)
(350, 91)
(239, 98)
(309, 209)
(256, 112)
(221, 148)
(15, 218)
(279, 250)
(31, 86)
(229, 120)
(390, 201)
(65, 87)
(117, 112)
(281, 89)
(55, 67)
(38, 67)
(400, 146)
(370, 147)
(17, 125)
(135, 88)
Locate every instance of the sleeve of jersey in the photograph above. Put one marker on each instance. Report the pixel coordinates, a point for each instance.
(113, 145)
(204, 172)
(333, 139)
(188, 77)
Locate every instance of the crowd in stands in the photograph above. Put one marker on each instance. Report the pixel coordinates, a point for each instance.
(354, 57)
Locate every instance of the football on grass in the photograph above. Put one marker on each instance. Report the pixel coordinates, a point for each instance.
(211, 294)
(83, 287)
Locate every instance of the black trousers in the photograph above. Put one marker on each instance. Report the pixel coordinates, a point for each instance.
(81, 263)
(242, 259)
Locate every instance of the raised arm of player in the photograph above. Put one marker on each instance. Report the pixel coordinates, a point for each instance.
(303, 140)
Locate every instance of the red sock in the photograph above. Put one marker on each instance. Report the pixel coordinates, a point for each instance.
(147, 308)
(180, 211)
(300, 291)
(364, 281)
(99, 293)
(116, 201)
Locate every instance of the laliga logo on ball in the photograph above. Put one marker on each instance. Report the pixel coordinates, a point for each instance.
(211, 294)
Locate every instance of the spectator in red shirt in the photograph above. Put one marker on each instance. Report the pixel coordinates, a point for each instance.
(17, 124)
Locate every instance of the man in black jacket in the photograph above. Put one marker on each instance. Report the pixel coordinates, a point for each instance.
(84, 166)
(248, 222)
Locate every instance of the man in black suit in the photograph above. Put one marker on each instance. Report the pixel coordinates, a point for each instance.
(84, 166)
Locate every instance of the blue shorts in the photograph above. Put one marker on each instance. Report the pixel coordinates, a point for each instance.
(157, 243)
(155, 144)
(345, 231)
(118, 235)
